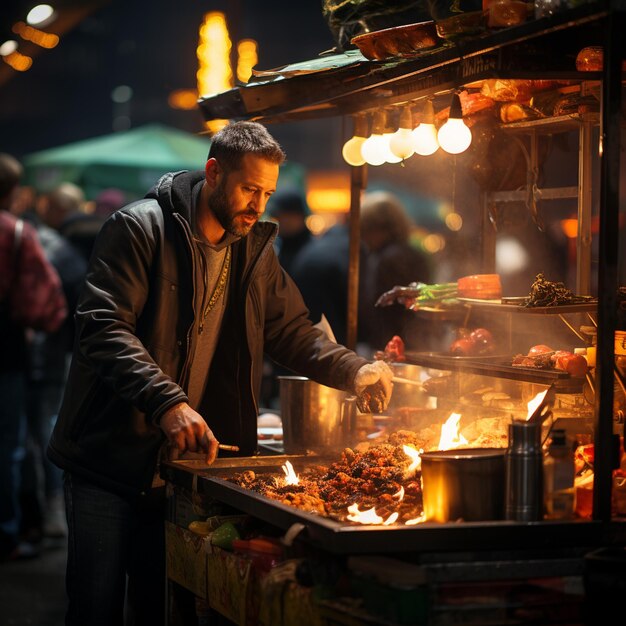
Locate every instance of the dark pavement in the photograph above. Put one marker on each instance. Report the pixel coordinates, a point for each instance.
(32, 592)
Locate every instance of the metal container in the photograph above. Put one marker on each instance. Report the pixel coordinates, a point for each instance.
(524, 472)
(315, 417)
(465, 484)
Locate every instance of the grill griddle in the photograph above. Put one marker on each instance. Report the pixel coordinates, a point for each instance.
(352, 538)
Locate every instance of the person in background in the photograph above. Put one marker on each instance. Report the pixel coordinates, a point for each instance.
(289, 208)
(390, 260)
(41, 493)
(183, 295)
(31, 298)
(63, 209)
(321, 273)
(108, 201)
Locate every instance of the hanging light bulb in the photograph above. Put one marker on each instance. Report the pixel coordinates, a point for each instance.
(375, 149)
(401, 143)
(425, 133)
(390, 130)
(454, 136)
(351, 150)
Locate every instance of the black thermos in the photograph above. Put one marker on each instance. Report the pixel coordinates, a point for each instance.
(524, 472)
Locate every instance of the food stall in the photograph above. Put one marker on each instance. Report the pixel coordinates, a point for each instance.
(448, 538)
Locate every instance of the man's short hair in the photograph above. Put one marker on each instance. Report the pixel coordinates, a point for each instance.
(230, 144)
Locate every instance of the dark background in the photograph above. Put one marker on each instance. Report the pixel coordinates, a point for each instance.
(151, 47)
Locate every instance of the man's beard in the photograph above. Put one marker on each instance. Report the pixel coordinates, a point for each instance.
(220, 206)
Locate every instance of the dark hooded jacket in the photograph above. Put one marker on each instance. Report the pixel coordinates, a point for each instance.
(136, 335)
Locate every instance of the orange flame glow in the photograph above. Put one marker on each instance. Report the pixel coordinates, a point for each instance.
(450, 435)
(291, 478)
(535, 402)
(416, 460)
(417, 520)
(369, 517)
(400, 494)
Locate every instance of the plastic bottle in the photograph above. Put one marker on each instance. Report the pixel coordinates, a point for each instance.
(559, 477)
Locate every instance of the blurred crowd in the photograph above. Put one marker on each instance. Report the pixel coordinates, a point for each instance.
(45, 244)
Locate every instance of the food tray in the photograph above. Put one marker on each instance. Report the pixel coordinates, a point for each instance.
(498, 367)
(514, 305)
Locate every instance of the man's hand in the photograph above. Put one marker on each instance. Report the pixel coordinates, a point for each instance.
(373, 387)
(187, 430)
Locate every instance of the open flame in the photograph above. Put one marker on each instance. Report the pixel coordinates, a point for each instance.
(535, 402)
(369, 516)
(450, 435)
(399, 495)
(416, 460)
(291, 478)
(417, 520)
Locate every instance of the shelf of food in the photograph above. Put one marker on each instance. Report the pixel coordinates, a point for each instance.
(497, 366)
(516, 305)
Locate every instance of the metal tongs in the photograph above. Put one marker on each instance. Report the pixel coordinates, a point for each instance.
(544, 410)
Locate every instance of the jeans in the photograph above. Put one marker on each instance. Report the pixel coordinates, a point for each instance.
(116, 556)
(12, 439)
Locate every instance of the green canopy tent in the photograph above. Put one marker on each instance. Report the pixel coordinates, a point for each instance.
(131, 161)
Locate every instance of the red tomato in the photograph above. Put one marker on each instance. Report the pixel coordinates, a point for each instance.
(462, 347)
(483, 341)
(574, 364)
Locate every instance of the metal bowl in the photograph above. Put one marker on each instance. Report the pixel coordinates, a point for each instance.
(397, 41)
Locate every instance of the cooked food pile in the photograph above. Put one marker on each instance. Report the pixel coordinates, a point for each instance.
(378, 477)
(382, 479)
(544, 292)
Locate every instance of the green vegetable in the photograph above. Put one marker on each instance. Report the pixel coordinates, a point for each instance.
(224, 535)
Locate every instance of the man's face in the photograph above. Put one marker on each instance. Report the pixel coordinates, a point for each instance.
(240, 198)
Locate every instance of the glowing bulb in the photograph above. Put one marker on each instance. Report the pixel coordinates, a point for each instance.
(375, 149)
(351, 150)
(401, 142)
(454, 136)
(41, 15)
(425, 133)
(390, 156)
(388, 133)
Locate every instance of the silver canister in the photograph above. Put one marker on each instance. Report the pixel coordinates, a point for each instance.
(315, 417)
(524, 472)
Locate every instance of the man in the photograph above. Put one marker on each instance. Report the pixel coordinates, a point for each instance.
(183, 294)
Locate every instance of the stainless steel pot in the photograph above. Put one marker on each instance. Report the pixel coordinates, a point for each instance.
(465, 484)
(315, 417)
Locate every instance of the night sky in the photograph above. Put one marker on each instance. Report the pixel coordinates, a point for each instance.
(151, 46)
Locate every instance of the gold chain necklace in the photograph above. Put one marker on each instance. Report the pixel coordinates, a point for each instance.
(220, 286)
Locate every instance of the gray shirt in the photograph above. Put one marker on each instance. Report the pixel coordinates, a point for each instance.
(212, 275)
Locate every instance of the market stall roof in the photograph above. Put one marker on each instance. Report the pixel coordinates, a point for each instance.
(342, 84)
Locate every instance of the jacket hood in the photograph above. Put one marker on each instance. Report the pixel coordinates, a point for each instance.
(174, 190)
